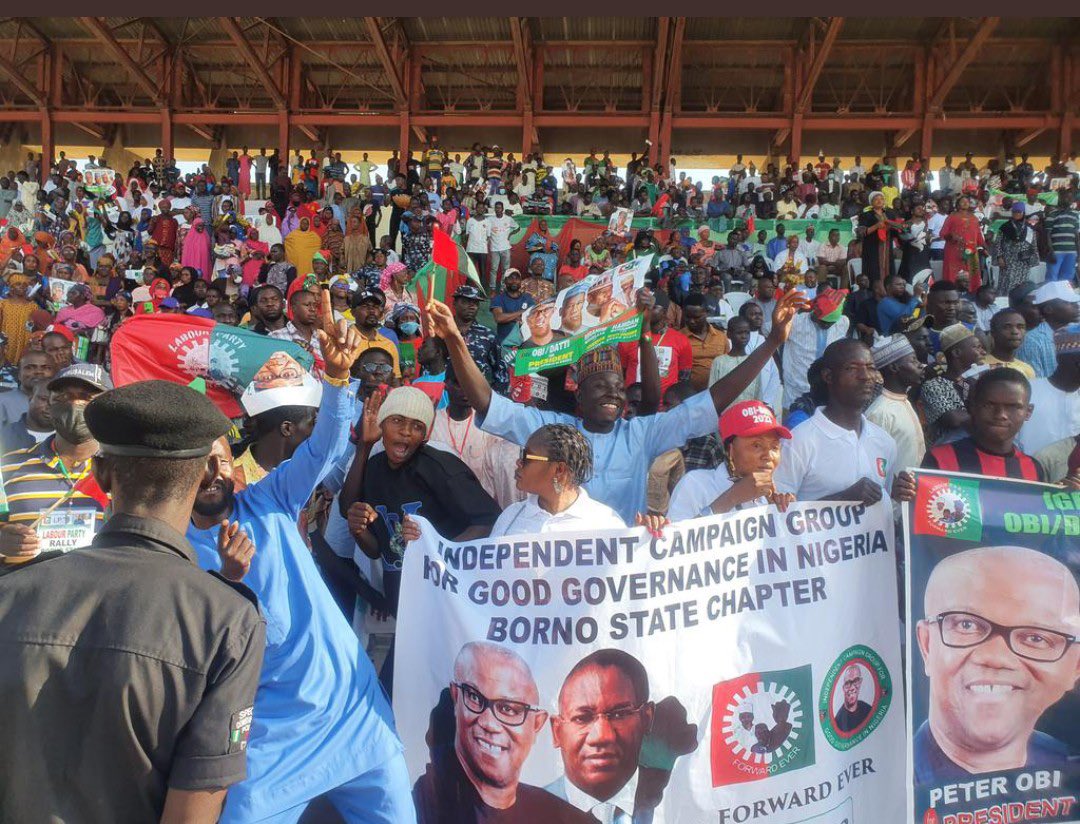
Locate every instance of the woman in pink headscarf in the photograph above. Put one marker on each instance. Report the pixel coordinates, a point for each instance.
(253, 257)
(196, 252)
(394, 281)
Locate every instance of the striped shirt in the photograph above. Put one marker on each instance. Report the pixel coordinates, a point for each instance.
(35, 479)
(964, 456)
(1062, 226)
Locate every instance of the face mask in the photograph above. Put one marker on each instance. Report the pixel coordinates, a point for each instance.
(409, 327)
(70, 422)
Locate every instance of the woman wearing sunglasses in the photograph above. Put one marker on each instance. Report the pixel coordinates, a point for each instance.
(553, 466)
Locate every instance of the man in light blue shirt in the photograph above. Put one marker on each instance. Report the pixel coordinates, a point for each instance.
(623, 449)
(322, 724)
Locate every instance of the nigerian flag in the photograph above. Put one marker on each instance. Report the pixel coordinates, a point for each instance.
(448, 269)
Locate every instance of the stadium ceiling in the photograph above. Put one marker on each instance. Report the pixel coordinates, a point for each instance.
(907, 76)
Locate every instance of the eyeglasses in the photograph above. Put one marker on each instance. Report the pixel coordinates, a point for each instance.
(961, 630)
(528, 456)
(511, 713)
(376, 368)
(620, 715)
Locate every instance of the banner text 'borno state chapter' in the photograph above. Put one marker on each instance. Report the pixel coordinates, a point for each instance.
(740, 668)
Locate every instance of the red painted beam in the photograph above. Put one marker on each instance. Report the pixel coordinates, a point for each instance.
(262, 72)
(982, 34)
(806, 93)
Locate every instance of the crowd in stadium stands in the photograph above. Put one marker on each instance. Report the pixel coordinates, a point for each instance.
(809, 334)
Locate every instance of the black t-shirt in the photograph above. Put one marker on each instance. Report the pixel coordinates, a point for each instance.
(433, 484)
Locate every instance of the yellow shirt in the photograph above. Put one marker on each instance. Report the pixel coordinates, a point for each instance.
(705, 351)
(1024, 369)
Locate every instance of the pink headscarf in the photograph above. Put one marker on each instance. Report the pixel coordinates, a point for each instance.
(196, 251)
(388, 274)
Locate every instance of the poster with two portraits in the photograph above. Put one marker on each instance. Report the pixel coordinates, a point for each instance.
(741, 668)
(993, 618)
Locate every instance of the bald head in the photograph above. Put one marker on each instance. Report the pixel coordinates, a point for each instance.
(482, 656)
(966, 580)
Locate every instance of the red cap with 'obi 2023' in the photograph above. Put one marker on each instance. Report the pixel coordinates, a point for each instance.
(750, 418)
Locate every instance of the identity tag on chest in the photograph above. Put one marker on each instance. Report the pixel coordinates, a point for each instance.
(66, 529)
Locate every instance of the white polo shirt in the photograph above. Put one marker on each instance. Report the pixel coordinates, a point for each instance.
(528, 517)
(822, 458)
(695, 492)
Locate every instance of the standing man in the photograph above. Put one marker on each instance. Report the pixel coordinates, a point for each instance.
(476, 239)
(508, 306)
(51, 472)
(674, 356)
(500, 228)
(901, 373)
(321, 724)
(1007, 330)
(130, 673)
(1058, 305)
(1056, 399)
(999, 404)
(479, 340)
(811, 333)
(838, 454)
(707, 343)
(261, 164)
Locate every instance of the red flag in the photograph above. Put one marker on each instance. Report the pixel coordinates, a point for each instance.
(88, 486)
(444, 252)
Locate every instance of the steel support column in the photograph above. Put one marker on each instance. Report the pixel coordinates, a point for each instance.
(166, 133)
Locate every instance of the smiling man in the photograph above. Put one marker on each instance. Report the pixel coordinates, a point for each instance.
(496, 720)
(604, 716)
(998, 646)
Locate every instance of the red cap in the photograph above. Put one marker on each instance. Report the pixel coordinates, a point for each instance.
(750, 418)
(62, 331)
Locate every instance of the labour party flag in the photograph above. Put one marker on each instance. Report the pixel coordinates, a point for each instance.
(180, 348)
(948, 507)
(448, 269)
(762, 725)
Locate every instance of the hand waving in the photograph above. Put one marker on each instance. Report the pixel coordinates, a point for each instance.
(340, 341)
(787, 307)
(369, 420)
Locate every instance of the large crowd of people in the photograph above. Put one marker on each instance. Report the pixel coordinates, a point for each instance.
(934, 322)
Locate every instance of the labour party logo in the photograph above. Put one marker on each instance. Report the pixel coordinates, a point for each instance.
(948, 507)
(760, 726)
(854, 698)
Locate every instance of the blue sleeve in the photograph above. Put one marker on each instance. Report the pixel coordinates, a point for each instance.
(516, 422)
(668, 430)
(291, 483)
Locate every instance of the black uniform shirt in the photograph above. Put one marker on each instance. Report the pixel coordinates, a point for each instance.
(124, 670)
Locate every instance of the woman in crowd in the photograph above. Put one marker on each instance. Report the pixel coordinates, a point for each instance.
(394, 281)
(1017, 251)
(301, 244)
(334, 242)
(196, 249)
(541, 246)
(80, 315)
(751, 436)
(123, 239)
(915, 241)
(405, 321)
(878, 225)
(15, 312)
(357, 244)
(963, 239)
(555, 462)
(370, 274)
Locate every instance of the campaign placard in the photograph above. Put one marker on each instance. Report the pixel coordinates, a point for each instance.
(993, 611)
(740, 668)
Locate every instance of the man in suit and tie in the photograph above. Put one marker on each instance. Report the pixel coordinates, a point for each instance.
(604, 715)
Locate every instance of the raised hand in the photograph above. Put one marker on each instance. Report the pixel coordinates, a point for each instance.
(369, 420)
(440, 320)
(787, 307)
(236, 550)
(339, 341)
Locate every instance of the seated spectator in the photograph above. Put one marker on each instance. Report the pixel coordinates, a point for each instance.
(896, 303)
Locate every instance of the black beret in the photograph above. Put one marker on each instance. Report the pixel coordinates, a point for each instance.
(155, 419)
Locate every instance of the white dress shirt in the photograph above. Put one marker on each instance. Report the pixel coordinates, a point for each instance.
(805, 345)
(823, 458)
(616, 810)
(1055, 415)
(528, 517)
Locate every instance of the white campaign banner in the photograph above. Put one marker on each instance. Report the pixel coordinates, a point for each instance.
(741, 668)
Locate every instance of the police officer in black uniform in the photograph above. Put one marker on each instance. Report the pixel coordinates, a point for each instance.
(128, 674)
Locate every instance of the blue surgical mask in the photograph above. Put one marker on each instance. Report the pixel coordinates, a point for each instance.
(409, 327)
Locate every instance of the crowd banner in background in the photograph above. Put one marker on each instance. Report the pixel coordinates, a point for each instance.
(994, 616)
(598, 310)
(741, 668)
